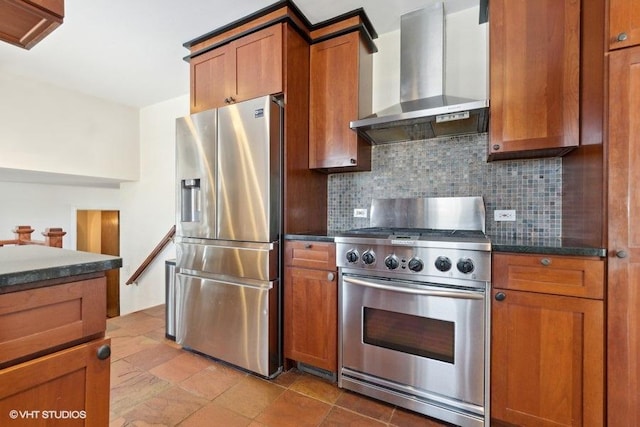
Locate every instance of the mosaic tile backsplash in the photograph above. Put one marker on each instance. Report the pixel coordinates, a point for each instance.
(454, 166)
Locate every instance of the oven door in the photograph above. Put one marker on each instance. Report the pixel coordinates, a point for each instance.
(421, 339)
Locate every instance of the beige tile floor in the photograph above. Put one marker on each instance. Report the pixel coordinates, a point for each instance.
(156, 383)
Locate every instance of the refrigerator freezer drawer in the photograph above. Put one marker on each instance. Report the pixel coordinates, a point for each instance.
(229, 321)
(255, 261)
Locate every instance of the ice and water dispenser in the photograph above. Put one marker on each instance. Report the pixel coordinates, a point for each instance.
(190, 200)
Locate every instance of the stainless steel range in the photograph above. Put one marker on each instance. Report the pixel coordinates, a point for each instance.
(414, 307)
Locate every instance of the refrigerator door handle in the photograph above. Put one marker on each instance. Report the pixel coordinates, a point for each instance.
(253, 284)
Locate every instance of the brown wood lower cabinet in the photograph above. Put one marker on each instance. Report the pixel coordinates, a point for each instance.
(311, 304)
(66, 388)
(547, 350)
(54, 357)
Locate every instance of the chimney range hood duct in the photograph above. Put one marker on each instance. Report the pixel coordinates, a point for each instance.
(424, 110)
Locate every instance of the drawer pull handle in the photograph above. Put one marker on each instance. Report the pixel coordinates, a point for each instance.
(621, 254)
(330, 277)
(545, 261)
(103, 352)
(308, 245)
(500, 296)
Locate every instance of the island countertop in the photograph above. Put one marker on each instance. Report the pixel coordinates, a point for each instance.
(24, 264)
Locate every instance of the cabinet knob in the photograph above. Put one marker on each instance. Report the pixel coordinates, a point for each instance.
(500, 296)
(352, 161)
(103, 352)
(496, 147)
(227, 101)
(308, 245)
(330, 277)
(545, 261)
(231, 99)
(622, 37)
(621, 254)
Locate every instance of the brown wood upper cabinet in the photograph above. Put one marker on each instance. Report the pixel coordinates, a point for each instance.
(547, 344)
(624, 23)
(339, 92)
(245, 68)
(24, 23)
(535, 78)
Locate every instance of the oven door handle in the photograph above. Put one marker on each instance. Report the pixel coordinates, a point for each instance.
(425, 291)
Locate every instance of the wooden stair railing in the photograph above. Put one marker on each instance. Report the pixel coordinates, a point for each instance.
(52, 237)
(154, 253)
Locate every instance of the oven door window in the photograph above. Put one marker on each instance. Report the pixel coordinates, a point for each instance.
(421, 336)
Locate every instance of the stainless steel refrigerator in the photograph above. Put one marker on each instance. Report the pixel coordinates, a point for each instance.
(228, 231)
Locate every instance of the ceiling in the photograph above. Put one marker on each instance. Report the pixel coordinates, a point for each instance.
(130, 51)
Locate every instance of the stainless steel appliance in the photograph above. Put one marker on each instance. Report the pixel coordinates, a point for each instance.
(228, 230)
(425, 110)
(414, 307)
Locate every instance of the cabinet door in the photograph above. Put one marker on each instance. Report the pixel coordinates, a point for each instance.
(624, 23)
(623, 355)
(257, 64)
(311, 317)
(25, 23)
(72, 386)
(546, 367)
(210, 74)
(535, 60)
(334, 101)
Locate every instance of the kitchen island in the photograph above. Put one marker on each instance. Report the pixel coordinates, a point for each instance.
(54, 357)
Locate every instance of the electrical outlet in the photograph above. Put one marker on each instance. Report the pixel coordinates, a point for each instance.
(359, 213)
(504, 215)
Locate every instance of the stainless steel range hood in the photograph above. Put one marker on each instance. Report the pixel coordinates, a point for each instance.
(424, 110)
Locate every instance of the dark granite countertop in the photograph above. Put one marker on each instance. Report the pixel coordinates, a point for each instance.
(545, 246)
(322, 236)
(24, 264)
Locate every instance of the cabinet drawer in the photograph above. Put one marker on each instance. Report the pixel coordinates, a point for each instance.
(37, 321)
(318, 255)
(558, 275)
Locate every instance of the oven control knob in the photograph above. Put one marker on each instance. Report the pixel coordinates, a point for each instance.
(465, 265)
(352, 256)
(391, 262)
(368, 257)
(443, 263)
(416, 264)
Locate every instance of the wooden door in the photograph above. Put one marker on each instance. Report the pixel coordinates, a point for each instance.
(99, 232)
(535, 77)
(110, 245)
(624, 23)
(311, 317)
(623, 344)
(71, 385)
(257, 64)
(546, 367)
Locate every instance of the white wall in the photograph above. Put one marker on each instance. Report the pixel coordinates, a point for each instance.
(466, 65)
(42, 206)
(148, 205)
(49, 129)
